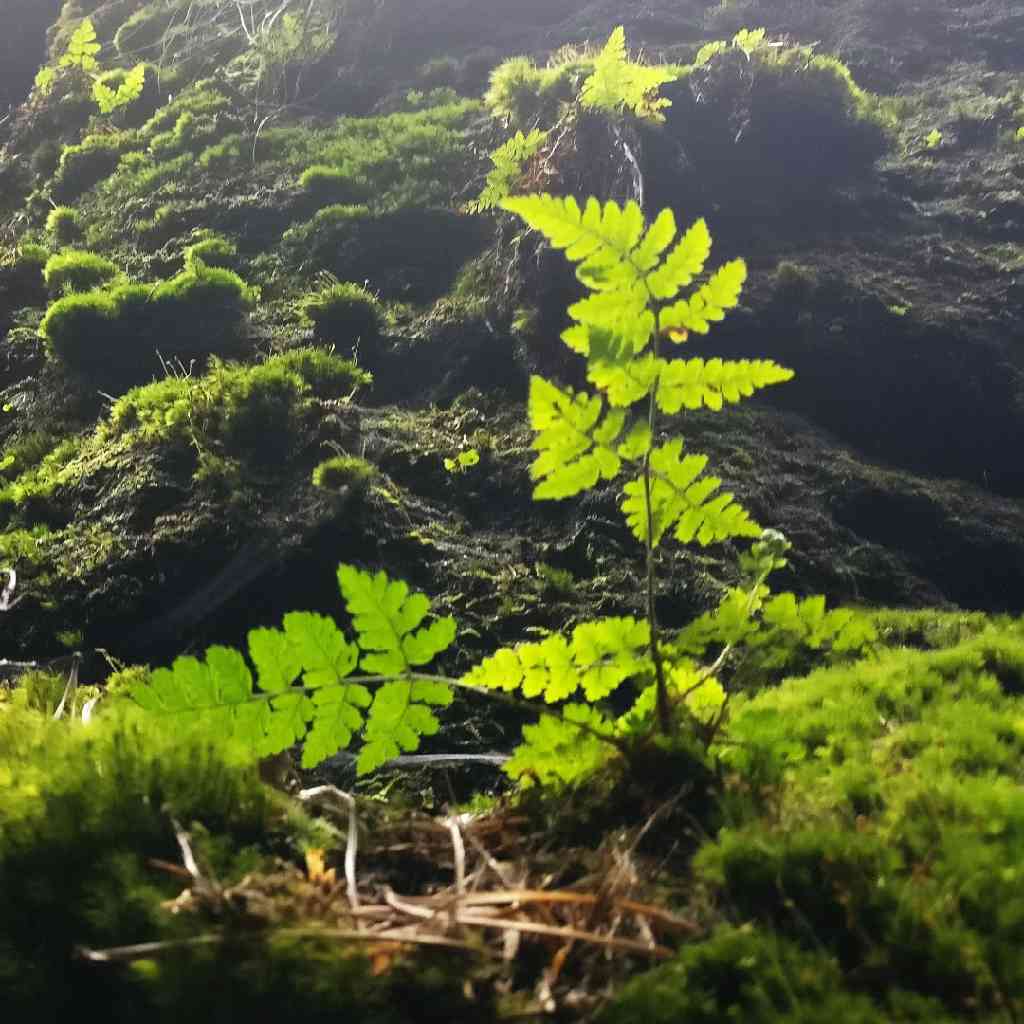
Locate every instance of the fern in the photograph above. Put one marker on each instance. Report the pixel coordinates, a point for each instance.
(108, 100)
(509, 161)
(304, 687)
(634, 274)
(82, 49)
(618, 84)
(82, 55)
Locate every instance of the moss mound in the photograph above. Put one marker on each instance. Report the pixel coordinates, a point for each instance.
(875, 823)
(118, 331)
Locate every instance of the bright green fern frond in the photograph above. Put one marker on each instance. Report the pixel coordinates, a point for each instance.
(682, 264)
(508, 161)
(626, 382)
(400, 715)
(109, 100)
(576, 446)
(598, 658)
(789, 622)
(563, 750)
(219, 690)
(708, 304)
(692, 383)
(385, 617)
(82, 49)
(619, 84)
(684, 501)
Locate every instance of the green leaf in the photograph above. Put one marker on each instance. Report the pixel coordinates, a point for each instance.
(276, 660)
(82, 49)
(45, 77)
(599, 657)
(563, 750)
(682, 264)
(618, 84)
(693, 383)
(336, 717)
(708, 304)
(326, 657)
(681, 500)
(400, 715)
(509, 161)
(575, 446)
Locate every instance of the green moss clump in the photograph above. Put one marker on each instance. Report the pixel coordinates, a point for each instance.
(141, 32)
(344, 472)
(327, 226)
(196, 312)
(327, 375)
(63, 226)
(76, 271)
(807, 125)
(213, 251)
(523, 95)
(83, 809)
(344, 313)
(333, 185)
(244, 411)
(861, 796)
(87, 164)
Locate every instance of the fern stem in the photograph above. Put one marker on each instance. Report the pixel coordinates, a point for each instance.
(664, 709)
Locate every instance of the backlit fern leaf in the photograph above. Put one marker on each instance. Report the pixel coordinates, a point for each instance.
(306, 689)
(684, 501)
(597, 658)
(618, 83)
(509, 161)
(562, 750)
(575, 445)
(385, 616)
(693, 383)
(706, 305)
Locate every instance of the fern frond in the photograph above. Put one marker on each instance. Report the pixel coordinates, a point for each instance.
(682, 264)
(693, 383)
(598, 658)
(626, 382)
(684, 501)
(82, 48)
(509, 160)
(576, 446)
(618, 84)
(385, 617)
(599, 238)
(708, 304)
(401, 714)
(563, 750)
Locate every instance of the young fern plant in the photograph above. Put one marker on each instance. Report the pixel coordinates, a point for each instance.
(635, 275)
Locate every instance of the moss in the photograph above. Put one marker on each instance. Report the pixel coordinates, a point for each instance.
(333, 185)
(344, 314)
(76, 271)
(83, 809)
(199, 310)
(346, 472)
(807, 125)
(63, 226)
(524, 95)
(794, 282)
(87, 164)
(327, 375)
(862, 796)
(213, 251)
(201, 101)
(140, 34)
